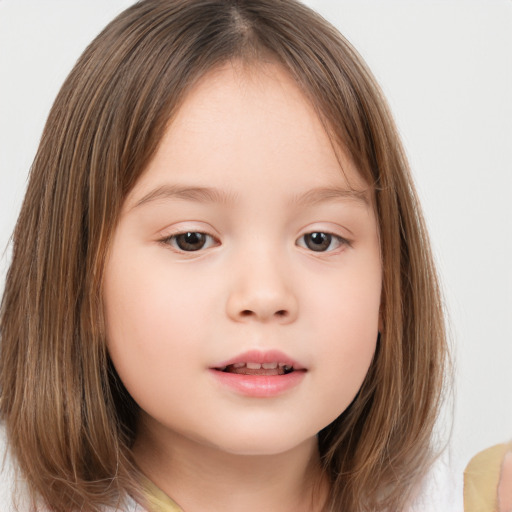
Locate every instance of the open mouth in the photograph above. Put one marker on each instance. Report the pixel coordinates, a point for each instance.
(272, 375)
(269, 369)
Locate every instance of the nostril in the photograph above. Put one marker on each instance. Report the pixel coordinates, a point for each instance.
(281, 313)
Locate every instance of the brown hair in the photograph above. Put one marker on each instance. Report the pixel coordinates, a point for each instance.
(70, 422)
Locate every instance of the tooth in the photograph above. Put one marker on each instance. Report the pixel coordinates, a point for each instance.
(238, 365)
(281, 365)
(287, 368)
(269, 366)
(253, 366)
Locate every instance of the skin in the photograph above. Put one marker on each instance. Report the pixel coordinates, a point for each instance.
(505, 485)
(173, 315)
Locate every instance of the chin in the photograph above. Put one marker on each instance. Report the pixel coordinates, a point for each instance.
(260, 443)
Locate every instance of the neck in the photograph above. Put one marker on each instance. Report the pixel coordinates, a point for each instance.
(200, 477)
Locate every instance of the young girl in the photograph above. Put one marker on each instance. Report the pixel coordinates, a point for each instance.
(222, 295)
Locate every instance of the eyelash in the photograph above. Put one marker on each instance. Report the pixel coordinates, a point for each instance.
(173, 240)
(210, 240)
(331, 237)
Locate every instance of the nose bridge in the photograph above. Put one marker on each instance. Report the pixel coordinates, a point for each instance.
(261, 285)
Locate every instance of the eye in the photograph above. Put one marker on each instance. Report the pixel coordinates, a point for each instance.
(190, 241)
(321, 242)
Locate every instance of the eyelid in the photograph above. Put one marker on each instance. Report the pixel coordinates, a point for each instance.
(171, 238)
(341, 240)
(170, 234)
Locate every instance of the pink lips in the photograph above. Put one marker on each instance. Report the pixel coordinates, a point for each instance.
(257, 356)
(256, 383)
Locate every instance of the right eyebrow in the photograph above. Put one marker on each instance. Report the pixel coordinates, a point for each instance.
(190, 193)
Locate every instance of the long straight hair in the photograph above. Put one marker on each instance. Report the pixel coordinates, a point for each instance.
(69, 420)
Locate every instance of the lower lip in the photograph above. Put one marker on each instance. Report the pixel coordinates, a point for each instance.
(259, 386)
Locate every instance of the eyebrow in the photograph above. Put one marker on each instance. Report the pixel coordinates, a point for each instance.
(214, 195)
(324, 194)
(198, 194)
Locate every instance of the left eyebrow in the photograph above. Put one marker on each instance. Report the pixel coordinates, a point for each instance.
(190, 193)
(323, 194)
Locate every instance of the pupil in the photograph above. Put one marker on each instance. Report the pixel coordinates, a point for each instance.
(191, 241)
(318, 241)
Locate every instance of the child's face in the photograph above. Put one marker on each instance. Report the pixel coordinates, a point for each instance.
(281, 264)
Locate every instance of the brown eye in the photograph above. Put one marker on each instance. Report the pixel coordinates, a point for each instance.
(321, 242)
(190, 241)
(317, 241)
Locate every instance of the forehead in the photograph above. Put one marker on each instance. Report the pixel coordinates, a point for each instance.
(243, 124)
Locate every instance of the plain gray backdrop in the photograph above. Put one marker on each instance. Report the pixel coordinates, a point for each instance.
(446, 69)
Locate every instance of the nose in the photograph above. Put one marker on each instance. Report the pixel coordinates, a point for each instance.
(262, 290)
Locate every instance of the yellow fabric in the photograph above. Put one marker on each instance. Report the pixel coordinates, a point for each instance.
(158, 500)
(481, 479)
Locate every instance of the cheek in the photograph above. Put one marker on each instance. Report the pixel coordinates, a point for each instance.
(341, 372)
(142, 309)
(346, 321)
(156, 317)
(347, 303)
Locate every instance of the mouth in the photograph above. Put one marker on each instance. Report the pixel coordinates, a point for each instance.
(259, 374)
(249, 368)
(269, 363)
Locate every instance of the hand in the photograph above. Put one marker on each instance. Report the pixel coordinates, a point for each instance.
(505, 485)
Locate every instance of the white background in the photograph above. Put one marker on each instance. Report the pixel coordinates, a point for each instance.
(446, 69)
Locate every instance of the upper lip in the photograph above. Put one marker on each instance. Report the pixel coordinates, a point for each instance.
(262, 356)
